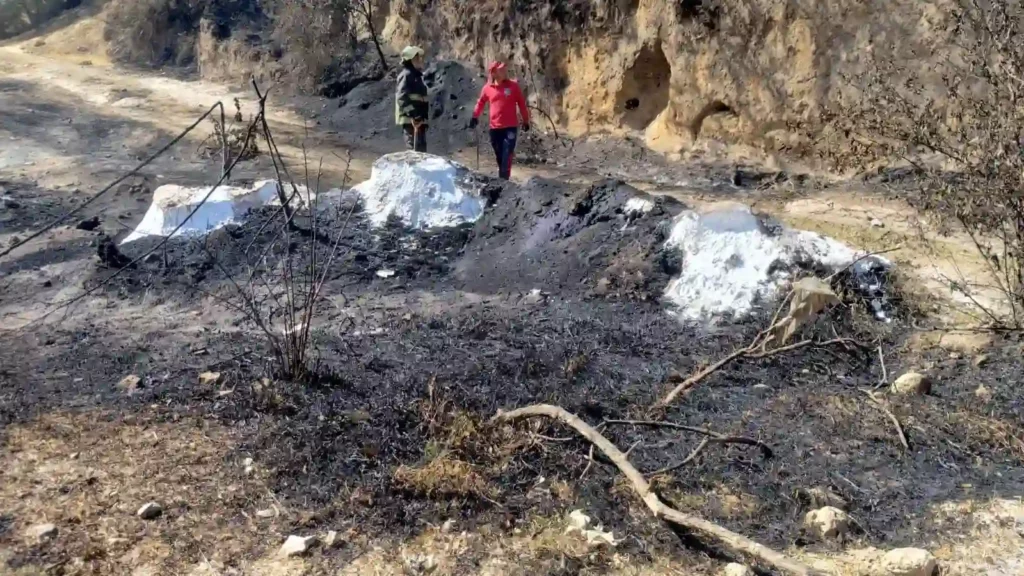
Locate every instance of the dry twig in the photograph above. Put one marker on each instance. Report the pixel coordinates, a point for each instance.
(750, 351)
(892, 418)
(737, 543)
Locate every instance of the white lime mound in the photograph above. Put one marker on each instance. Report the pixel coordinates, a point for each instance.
(732, 261)
(422, 190)
(172, 205)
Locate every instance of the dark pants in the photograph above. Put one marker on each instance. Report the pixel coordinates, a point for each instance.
(417, 142)
(503, 140)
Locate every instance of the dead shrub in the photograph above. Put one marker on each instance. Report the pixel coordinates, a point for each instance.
(239, 136)
(308, 34)
(18, 16)
(153, 32)
(959, 124)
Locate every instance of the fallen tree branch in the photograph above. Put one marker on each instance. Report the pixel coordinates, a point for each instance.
(737, 543)
(749, 352)
(892, 418)
(885, 374)
(703, 444)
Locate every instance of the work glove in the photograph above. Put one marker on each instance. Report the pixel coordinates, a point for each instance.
(526, 126)
(473, 123)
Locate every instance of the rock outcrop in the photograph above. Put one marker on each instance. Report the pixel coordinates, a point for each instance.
(749, 70)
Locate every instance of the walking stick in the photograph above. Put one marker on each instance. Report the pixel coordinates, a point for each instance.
(476, 138)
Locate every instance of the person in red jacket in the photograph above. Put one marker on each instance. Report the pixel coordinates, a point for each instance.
(504, 98)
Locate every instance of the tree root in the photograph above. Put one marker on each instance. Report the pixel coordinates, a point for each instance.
(736, 543)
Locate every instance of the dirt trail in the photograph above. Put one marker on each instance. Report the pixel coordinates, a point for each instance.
(152, 105)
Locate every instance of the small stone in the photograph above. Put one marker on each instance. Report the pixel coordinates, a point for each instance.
(266, 513)
(735, 569)
(41, 533)
(331, 539)
(908, 562)
(981, 360)
(447, 526)
(983, 393)
(876, 223)
(129, 384)
(420, 563)
(603, 286)
(912, 383)
(150, 511)
(536, 296)
(209, 378)
(296, 546)
(827, 523)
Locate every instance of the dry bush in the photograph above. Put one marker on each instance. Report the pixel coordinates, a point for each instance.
(239, 136)
(308, 34)
(958, 122)
(153, 32)
(17, 16)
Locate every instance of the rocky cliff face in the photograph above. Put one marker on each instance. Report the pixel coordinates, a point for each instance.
(751, 71)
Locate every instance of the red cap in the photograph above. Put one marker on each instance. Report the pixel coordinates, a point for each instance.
(495, 66)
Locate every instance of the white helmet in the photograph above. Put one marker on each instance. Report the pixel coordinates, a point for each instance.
(411, 52)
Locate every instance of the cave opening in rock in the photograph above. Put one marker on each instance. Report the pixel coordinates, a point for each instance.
(645, 88)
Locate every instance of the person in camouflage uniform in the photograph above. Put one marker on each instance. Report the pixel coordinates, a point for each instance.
(412, 109)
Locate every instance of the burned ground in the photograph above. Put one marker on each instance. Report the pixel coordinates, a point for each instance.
(391, 438)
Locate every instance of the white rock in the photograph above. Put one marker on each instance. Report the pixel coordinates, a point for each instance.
(266, 513)
(150, 511)
(735, 569)
(209, 378)
(385, 273)
(41, 533)
(908, 562)
(638, 205)
(536, 296)
(331, 539)
(828, 522)
(129, 384)
(577, 521)
(983, 393)
(912, 383)
(876, 223)
(296, 546)
(419, 563)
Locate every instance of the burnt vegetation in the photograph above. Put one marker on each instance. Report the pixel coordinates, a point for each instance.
(954, 117)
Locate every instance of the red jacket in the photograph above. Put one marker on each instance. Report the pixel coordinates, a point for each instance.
(504, 98)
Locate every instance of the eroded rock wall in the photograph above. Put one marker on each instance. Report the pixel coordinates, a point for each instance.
(746, 71)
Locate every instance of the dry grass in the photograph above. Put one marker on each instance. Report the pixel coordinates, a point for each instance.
(89, 473)
(984, 434)
(444, 476)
